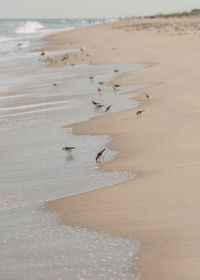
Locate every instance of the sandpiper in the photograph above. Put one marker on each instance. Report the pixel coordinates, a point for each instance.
(65, 57)
(139, 112)
(99, 105)
(116, 87)
(99, 90)
(148, 96)
(82, 48)
(68, 149)
(95, 103)
(108, 108)
(99, 155)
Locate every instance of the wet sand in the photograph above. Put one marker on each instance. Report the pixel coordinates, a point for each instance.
(160, 206)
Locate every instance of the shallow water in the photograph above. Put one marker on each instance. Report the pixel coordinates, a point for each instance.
(36, 247)
(34, 169)
(33, 166)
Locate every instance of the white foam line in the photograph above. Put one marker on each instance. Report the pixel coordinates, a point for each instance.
(4, 97)
(33, 105)
(15, 96)
(32, 112)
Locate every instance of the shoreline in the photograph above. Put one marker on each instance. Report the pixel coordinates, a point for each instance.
(158, 207)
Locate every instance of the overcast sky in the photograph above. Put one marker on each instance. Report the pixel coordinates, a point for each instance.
(91, 8)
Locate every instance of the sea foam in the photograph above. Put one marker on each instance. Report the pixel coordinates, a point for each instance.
(29, 27)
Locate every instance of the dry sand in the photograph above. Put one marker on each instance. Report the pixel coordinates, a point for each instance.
(160, 207)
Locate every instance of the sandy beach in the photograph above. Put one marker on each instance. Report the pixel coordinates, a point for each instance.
(160, 206)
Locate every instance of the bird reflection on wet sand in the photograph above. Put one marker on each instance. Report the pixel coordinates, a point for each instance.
(69, 157)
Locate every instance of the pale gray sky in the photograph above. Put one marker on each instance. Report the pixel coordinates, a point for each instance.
(91, 8)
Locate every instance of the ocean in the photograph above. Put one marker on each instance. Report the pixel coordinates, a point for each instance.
(33, 168)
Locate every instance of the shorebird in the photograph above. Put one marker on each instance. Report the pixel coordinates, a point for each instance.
(54, 84)
(99, 90)
(139, 112)
(99, 105)
(101, 83)
(91, 78)
(116, 87)
(148, 96)
(68, 149)
(82, 48)
(108, 108)
(116, 70)
(65, 57)
(42, 53)
(95, 103)
(99, 155)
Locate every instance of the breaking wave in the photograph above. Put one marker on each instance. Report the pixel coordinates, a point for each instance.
(29, 27)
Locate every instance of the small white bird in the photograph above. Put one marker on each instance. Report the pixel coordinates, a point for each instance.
(82, 48)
